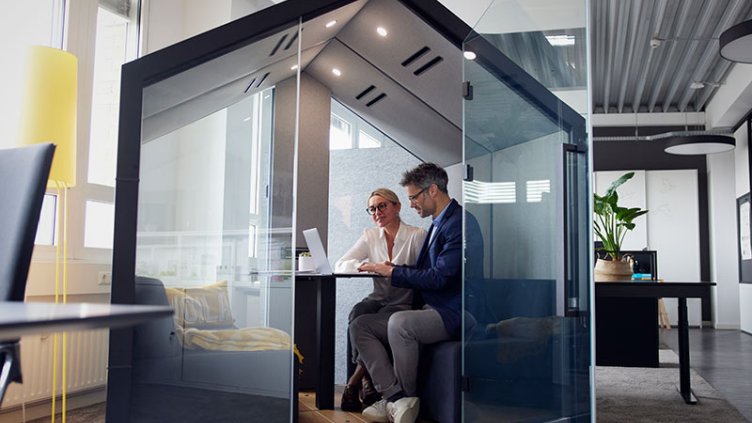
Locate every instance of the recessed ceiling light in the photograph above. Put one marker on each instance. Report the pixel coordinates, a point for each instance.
(331, 24)
(293, 67)
(336, 72)
(382, 31)
(470, 55)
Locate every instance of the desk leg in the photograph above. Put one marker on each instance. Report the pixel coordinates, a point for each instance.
(685, 387)
(325, 339)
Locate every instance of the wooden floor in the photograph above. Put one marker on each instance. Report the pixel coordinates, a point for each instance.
(724, 359)
(307, 412)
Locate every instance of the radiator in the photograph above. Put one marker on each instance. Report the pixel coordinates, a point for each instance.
(86, 366)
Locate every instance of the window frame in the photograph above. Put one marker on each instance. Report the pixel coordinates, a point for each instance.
(79, 21)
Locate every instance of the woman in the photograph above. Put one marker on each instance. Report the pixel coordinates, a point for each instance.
(394, 241)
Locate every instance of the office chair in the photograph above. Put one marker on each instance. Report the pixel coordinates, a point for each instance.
(23, 179)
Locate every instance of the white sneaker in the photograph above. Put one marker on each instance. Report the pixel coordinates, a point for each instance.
(404, 410)
(376, 412)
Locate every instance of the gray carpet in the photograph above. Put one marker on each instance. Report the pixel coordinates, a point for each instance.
(650, 395)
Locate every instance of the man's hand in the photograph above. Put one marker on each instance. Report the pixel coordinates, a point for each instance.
(383, 269)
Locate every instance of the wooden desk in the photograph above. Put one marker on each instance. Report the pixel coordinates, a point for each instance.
(679, 290)
(17, 318)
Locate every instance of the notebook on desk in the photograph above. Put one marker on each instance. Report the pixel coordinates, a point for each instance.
(316, 248)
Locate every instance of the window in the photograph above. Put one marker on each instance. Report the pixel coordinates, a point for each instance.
(90, 203)
(99, 226)
(340, 136)
(46, 227)
(110, 53)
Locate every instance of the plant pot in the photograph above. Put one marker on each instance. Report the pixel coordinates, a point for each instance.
(612, 271)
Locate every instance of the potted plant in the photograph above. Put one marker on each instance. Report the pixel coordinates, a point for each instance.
(611, 223)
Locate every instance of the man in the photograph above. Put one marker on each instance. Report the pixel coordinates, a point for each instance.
(437, 279)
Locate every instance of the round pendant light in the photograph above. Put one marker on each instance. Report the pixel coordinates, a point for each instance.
(691, 144)
(736, 43)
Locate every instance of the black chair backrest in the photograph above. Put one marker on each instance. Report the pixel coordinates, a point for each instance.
(23, 179)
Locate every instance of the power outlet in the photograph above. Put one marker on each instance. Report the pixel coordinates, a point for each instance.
(104, 278)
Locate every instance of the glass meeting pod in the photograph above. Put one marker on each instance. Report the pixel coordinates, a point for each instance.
(527, 343)
(215, 134)
(204, 223)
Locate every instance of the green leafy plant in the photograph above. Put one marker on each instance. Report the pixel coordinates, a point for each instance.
(611, 222)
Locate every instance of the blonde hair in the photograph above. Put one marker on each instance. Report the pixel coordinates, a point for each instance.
(387, 194)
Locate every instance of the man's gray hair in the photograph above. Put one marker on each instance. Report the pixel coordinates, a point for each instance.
(424, 175)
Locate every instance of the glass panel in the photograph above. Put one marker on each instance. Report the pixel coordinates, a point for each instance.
(215, 225)
(527, 338)
(352, 177)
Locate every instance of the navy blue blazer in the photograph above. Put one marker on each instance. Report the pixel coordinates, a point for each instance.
(437, 275)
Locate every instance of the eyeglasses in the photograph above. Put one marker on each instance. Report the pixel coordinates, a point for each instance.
(380, 207)
(413, 197)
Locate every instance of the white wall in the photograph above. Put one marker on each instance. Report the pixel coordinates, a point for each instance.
(723, 257)
(631, 194)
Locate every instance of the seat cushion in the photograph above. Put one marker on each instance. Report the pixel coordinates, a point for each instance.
(439, 381)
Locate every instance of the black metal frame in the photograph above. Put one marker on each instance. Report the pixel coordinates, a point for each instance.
(184, 55)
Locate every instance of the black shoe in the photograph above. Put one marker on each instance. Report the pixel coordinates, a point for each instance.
(369, 394)
(350, 400)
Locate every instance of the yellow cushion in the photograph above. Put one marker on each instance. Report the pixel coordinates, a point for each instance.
(202, 307)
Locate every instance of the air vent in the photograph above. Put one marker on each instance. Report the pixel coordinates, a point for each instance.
(256, 82)
(431, 63)
(365, 92)
(292, 41)
(279, 44)
(415, 56)
(249, 85)
(368, 91)
(263, 78)
(376, 100)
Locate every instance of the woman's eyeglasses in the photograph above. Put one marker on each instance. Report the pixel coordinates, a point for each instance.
(380, 207)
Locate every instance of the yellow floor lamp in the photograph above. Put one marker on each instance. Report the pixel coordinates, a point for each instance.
(49, 115)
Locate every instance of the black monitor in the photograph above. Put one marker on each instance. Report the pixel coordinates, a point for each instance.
(645, 261)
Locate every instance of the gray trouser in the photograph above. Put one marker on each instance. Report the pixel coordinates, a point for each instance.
(404, 332)
(368, 306)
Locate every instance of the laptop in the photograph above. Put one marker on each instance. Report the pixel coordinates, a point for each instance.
(316, 248)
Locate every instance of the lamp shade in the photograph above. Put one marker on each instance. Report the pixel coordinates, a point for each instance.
(690, 144)
(736, 43)
(49, 109)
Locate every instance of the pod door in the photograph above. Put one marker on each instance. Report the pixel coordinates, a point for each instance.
(526, 345)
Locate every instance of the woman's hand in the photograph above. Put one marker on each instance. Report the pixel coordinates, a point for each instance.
(383, 269)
